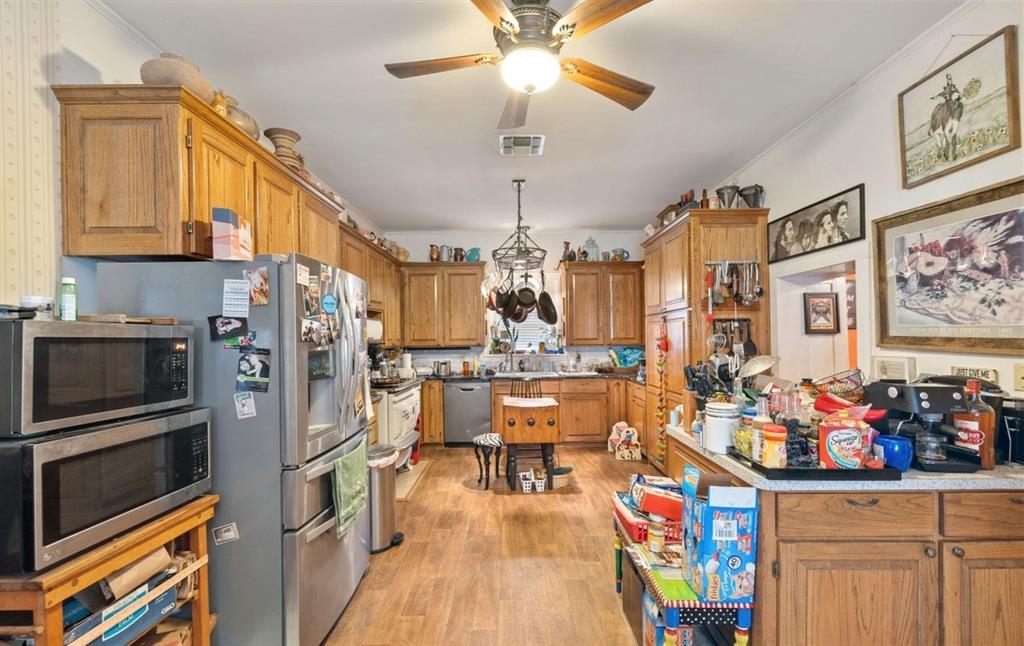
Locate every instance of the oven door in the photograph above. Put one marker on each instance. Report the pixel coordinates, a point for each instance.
(91, 486)
(75, 373)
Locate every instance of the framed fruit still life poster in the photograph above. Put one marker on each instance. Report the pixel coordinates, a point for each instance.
(950, 274)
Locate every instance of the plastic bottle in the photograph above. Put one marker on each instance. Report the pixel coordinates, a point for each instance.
(68, 299)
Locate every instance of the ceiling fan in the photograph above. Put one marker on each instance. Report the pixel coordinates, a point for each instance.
(529, 36)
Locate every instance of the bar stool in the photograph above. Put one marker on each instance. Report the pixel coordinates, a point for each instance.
(487, 443)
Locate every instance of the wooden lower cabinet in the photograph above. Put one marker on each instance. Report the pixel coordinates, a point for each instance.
(432, 411)
(649, 442)
(636, 397)
(858, 592)
(617, 408)
(983, 592)
(584, 411)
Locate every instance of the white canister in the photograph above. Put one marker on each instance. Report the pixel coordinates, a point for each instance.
(721, 419)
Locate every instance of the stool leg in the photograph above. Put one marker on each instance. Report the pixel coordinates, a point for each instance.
(479, 466)
(487, 467)
(511, 472)
(497, 461)
(548, 451)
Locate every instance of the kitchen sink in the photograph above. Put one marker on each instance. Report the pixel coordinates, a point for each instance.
(526, 375)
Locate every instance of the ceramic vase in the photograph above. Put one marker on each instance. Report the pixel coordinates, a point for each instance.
(284, 141)
(242, 119)
(171, 69)
(458, 254)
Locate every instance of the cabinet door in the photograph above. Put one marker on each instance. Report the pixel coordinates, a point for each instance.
(618, 411)
(132, 196)
(655, 453)
(433, 411)
(223, 179)
(858, 593)
(393, 308)
(674, 267)
(652, 280)
(354, 255)
(376, 280)
(584, 302)
(678, 356)
(654, 327)
(584, 417)
(318, 230)
(675, 459)
(421, 306)
(622, 294)
(983, 592)
(464, 315)
(638, 416)
(276, 226)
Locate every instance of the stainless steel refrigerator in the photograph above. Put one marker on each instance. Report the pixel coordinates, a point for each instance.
(278, 573)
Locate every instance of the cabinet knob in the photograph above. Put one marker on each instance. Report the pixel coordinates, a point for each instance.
(1017, 501)
(870, 502)
(958, 552)
(530, 422)
(511, 422)
(551, 421)
(930, 552)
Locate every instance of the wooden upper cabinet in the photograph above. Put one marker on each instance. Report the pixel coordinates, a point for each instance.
(983, 592)
(623, 290)
(584, 313)
(318, 230)
(223, 179)
(393, 308)
(377, 272)
(677, 330)
(276, 225)
(464, 315)
(124, 178)
(674, 268)
(422, 301)
(899, 579)
(653, 299)
(354, 254)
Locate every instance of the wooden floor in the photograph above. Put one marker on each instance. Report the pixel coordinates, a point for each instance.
(495, 567)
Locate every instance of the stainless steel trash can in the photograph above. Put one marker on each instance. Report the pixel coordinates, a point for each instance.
(382, 459)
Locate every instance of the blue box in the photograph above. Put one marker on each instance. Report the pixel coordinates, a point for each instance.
(126, 630)
(720, 524)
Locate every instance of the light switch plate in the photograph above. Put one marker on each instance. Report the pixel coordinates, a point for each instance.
(1018, 376)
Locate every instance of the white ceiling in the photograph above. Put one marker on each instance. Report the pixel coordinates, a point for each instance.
(732, 77)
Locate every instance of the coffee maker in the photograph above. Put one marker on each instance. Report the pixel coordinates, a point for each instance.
(920, 412)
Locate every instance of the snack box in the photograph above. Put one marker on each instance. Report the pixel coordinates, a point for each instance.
(128, 629)
(721, 537)
(653, 500)
(661, 482)
(232, 236)
(841, 443)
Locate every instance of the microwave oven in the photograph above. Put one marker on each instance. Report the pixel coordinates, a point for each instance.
(66, 492)
(57, 375)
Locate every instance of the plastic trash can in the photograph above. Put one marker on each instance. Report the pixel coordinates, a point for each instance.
(382, 460)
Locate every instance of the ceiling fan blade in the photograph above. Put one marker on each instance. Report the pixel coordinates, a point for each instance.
(625, 91)
(499, 14)
(588, 15)
(514, 115)
(434, 65)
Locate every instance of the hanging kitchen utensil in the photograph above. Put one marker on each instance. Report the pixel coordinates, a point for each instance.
(710, 279)
(545, 305)
(749, 347)
(511, 305)
(748, 284)
(520, 314)
(758, 290)
(719, 279)
(728, 195)
(757, 365)
(753, 195)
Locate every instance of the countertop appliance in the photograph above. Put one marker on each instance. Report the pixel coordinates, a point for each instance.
(272, 460)
(58, 375)
(400, 408)
(66, 492)
(467, 411)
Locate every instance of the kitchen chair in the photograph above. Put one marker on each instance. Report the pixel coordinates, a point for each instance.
(487, 443)
(545, 426)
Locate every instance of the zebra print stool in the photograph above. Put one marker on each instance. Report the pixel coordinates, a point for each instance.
(487, 443)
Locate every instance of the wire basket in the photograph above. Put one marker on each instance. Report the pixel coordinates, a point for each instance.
(848, 384)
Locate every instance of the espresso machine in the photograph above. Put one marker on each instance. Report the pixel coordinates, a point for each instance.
(920, 412)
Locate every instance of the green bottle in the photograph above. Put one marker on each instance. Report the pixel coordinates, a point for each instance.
(68, 299)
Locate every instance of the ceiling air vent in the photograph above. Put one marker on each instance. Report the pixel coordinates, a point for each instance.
(521, 145)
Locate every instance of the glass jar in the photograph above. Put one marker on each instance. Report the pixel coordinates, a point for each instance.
(593, 251)
(774, 456)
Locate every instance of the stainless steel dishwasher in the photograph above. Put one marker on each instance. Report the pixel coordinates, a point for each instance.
(467, 411)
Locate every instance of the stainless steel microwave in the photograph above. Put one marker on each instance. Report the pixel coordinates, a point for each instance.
(57, 375)
(66, 492)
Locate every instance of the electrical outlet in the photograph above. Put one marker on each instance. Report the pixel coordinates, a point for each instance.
(1018, 376)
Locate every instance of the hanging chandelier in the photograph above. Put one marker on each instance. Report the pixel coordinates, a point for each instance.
(519, 252)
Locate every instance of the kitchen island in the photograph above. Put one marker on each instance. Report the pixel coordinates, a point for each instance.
(927, 559)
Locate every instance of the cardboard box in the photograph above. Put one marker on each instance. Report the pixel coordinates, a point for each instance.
(232, 236)
(655, 500)
(720, 522)
(128, 629)
(656, 634)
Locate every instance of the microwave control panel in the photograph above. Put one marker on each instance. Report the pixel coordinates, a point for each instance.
(200, 453)
(179, 365)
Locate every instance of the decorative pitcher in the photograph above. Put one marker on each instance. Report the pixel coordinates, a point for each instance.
(435, 253)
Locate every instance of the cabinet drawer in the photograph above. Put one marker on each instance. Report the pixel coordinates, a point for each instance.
(856, 514)
(997, 514)
(502, 387)
(550, 386)
(584, 386)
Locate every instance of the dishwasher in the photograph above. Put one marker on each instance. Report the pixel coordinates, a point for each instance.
(467, 411)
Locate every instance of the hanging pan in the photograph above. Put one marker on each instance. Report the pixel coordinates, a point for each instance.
(545, 306)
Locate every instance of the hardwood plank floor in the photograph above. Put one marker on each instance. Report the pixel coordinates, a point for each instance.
(496, 567)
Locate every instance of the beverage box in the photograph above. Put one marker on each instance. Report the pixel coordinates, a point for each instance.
(128, 629)
(654, 500)
(232, 236)
(720, 523)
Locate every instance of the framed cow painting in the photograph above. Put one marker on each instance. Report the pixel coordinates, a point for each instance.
(964, 112)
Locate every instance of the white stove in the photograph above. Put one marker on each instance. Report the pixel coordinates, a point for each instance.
(399, 410)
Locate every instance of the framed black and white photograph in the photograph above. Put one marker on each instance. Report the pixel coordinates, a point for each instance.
(962, 113)
(821, 313)
(827, 223)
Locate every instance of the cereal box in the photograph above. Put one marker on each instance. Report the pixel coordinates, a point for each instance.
(842, 441)
(721, 537)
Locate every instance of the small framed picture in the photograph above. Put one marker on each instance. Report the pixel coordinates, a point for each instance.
(821, 313)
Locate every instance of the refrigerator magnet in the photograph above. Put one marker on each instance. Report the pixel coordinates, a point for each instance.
(225, 534)
(259, 285)
(329, 304)
(235, 300)
(245, 405)
(312, 331)
(241, 342)
(325, 273)
(253, 371)
(302, 275)
(227, 327)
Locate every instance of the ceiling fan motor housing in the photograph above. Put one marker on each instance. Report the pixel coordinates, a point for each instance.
(536, 22)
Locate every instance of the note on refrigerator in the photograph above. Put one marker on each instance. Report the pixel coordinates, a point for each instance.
(236, 298)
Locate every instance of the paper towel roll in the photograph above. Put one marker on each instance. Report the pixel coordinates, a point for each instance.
(374, 331)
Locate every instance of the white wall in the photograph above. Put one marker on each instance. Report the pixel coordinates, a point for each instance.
(855, 139)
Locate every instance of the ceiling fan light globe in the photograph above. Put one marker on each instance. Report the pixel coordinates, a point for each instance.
(530, 69)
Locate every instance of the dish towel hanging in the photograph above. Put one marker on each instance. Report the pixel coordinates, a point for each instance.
(350, 487)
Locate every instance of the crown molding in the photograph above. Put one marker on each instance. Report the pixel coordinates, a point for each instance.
(129, 29)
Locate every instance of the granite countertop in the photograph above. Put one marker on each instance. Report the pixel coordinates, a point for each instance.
(1002, 477)
(540, 375)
